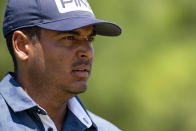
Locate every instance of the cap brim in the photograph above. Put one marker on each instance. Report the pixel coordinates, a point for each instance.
(101, 27)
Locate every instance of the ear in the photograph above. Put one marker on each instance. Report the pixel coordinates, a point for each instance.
(21, 45)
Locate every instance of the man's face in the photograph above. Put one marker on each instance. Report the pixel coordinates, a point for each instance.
(63, 60)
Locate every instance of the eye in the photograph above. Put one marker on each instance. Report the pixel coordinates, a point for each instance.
(90, 39)
(69, 38)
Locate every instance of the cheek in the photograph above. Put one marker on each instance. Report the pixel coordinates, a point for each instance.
(92, 50)
(58, 60)
(38, 58)
(57, 57)
(36, 66)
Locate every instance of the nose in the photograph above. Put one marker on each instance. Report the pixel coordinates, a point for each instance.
(86, 52)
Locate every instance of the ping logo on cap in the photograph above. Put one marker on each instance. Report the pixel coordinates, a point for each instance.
(65, 6)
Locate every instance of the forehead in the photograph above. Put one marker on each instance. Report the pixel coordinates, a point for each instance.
(83, 32)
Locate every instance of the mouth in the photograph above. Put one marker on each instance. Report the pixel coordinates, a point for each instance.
(82, 71)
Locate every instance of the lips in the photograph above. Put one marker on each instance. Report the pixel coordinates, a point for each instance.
(82, 71)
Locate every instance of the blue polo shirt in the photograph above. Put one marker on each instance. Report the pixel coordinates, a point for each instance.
(18, 112)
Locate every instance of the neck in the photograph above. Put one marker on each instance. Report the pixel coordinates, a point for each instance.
(49, 97)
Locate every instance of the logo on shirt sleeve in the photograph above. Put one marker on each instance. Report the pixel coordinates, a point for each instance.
(65, 6)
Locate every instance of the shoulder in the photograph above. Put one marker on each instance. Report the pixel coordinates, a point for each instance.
(4, 112)
(3, 106)
(2, 102)
(102, 124)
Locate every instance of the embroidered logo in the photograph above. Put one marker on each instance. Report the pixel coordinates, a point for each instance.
(65, 6)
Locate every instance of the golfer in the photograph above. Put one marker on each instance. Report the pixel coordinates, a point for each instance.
(50, 42)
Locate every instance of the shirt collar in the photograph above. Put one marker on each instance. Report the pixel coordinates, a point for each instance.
(14, 94)
(76, 108)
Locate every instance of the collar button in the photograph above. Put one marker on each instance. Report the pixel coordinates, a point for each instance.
(85, 121)
(38, 111)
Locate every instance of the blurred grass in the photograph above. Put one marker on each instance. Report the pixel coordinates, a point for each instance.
(143, 80)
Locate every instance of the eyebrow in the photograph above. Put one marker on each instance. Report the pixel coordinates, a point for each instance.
(73, 32)
(93, 33)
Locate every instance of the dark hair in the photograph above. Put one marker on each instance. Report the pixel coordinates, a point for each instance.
(33, 33)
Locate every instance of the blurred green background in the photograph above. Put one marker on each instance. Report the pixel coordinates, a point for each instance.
(143, 80)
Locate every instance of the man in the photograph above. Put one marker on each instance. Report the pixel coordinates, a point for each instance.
(50, 42)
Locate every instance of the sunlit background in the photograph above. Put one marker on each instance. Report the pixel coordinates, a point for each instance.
(143, 80)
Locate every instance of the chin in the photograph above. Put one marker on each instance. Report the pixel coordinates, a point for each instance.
(77, 88)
